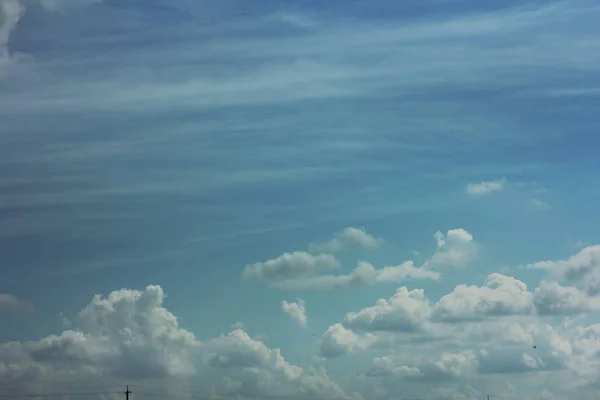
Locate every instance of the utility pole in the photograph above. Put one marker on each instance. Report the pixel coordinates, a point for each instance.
(127, 391)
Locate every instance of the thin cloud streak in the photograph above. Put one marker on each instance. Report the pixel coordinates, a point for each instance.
(458, 51)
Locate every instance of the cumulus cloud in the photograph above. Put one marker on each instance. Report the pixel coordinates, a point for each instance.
(304, 271)
(499, 296)
(131, 335)
(296, 310)
(9, 302)
(338, 341)
(448, 366)
(553, 350)
(500, 317)
(405, 311)
(503, 295)
(385, 365)
(349, 237)
(363, 275)
(454, 249)
(291, 265)
(582, 269)
(487, 187)
(128, 334)
(482, 354)
(259, 370)
(550, 298)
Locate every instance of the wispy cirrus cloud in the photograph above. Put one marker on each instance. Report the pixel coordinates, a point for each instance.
(319, 65)
(234, 103)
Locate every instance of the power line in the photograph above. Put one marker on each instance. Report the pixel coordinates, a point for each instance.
(164, 394)
(204, 395)
(183, 394)
(209, 395)
(37, 395)
(70, 387)
(216, 394)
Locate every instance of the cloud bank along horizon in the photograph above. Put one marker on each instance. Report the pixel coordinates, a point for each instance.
(465, 339)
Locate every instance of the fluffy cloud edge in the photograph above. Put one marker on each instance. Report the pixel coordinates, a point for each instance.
(129, 335)
(297, 311)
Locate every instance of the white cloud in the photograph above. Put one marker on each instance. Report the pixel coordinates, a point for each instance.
(361, 237)
(553, 350)
(385, 365)
(258, 370)
(130, 335)
(338, 341)
(291, 265)
(449, 366)
(363, 275)
(406, 311)
(480, 354)
(455, 249)
(302, 271)
(9, 302)
(582, 269)
(487, 187)
(493, 327)
(109, 334)
(550, 298)
(501, 295)
(349, 237)
(296, 310)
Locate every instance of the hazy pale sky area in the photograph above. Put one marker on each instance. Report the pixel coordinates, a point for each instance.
(309, 200)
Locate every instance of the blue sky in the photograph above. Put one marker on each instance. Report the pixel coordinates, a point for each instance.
(180, 144)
